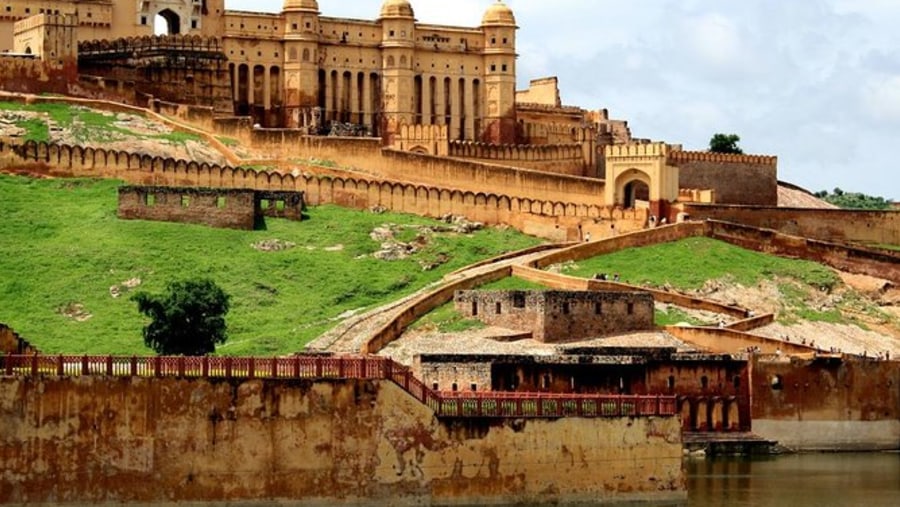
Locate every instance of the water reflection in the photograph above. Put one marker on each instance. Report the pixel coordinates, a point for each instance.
(821, 480)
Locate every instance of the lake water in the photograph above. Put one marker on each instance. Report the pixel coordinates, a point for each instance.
(807, 480)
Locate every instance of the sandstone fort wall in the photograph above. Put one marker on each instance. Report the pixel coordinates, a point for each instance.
(810, 405)
(160, 441)
(560, 159)
(553, 220)
(736, 179)
(875, 227)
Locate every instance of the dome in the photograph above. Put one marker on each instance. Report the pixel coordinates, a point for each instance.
(396, 9)
(498, 14)
(300, 5)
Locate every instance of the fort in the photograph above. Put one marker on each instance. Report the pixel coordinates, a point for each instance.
(394, 114)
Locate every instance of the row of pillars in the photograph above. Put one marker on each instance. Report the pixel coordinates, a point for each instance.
(454, 102)
(710, 414)
(256, 86)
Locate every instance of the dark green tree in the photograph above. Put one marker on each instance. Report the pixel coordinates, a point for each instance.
(187, 320)
(725, 143)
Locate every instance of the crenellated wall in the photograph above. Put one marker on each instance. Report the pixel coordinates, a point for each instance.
(559, 158)
(558, 220)
(735, 179)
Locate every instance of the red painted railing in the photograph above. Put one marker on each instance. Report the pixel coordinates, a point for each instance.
(449, 405)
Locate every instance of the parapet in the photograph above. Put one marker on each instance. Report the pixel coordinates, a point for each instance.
(654, 150)
(681, 157)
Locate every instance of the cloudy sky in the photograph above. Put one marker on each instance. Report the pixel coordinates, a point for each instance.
(816, 82)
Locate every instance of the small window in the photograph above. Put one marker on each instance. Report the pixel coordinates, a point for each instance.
(505, 40)
(565, 308)
(493, 68)
(630, 308)
(704, 382)
(295, 27)
(474, 387)
(499, 308)
(264, 204)
(220, 202)
(504, 67)
(150, 200)
(143, 20)
(308, 25)
(598, 308)
(194, 24)
(777, 383)
(454, 387)
(279, 205)
(392, 33)
(474, 308)
(671, 382)
(518, 300)
(434, 386)
(185, 201)
(493, 40)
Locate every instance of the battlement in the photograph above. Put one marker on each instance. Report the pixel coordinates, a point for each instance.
(679, 157)
(654, 150)
(533, 106)
(37, 20)
(510, 152)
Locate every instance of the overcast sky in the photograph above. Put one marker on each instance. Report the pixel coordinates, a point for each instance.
(816, 82)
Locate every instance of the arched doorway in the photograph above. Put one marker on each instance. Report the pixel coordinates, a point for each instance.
(167, 22)
(637, 195)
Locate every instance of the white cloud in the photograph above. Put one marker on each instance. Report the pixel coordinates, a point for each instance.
(881, 98)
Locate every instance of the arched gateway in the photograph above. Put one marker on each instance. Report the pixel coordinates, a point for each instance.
(638, 176)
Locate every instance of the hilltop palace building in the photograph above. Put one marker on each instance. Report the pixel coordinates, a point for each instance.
(300, 68)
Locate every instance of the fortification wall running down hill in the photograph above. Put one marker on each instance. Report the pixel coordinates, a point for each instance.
(859, 226)
(555, 220)
(158, 441)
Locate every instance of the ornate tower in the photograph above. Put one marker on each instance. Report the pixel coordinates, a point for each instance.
(398, 26)
(301, 62)
(499, 27)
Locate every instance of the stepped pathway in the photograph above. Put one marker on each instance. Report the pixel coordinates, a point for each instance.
(351, 335)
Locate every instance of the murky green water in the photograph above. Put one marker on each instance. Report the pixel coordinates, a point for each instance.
(809, 480)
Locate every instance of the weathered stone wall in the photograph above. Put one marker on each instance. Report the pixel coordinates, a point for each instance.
(454, 376)
(827, 404)
(736, 179)
(233, 209)
(159, 441)
(558, 158)
(554, 317)
(875, 227)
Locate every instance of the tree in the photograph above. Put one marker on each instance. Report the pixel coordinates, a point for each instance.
(188, 319)
(725, 143)
(854, 200)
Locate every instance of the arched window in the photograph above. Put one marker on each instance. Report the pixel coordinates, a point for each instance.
(167, 22)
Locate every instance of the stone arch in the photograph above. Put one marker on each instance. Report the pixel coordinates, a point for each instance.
(167, 22)
(631, 187)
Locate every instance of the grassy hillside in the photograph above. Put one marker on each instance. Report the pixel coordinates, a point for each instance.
(63, 249)
(690, 263)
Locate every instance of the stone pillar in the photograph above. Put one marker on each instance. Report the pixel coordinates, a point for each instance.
(455, 109)
(355, 113)
(367, 101)
(267, 88)
(426, 100)
(440, 106)
(339, 95)
(328, 113)
(469, 110)
(251, 86)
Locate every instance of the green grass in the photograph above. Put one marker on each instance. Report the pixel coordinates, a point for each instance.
(228, 141)
(63, 245)
(675, 316)
(689, 263)
(86, 125)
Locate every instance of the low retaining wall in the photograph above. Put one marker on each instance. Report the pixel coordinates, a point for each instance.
(730, 341)
(162, 441)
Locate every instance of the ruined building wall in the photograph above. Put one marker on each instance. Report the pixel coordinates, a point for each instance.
(554, 317)
(233, 209)
(12, 343)
(160, 441)
(736, 179)
(824, 404)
